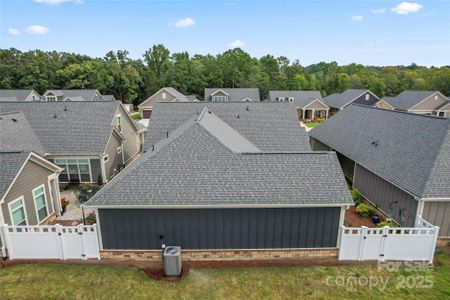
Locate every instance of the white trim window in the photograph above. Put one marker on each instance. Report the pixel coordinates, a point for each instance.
(40, 202)
(220, 98)
(74, 170)
(17, 212)
(367, 97)
(50, 98)
(119, 122)
(164, 95)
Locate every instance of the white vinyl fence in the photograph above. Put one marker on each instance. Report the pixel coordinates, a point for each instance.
(399, 243)
(51, 242)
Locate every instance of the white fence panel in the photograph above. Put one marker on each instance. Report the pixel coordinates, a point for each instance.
(386, 243)
(51, 242)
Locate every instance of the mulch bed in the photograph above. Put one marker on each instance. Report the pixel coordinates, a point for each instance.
(356, 220)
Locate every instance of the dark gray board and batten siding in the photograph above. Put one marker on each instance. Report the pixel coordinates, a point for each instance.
(220, 228)
(384, 194)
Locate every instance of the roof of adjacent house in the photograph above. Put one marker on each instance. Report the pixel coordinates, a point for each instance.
(411, 151)
(14, 95)
(17, 134)
(75, 94)
(234, 94)
(17, 141)
(408, 99)
(301, 98)
(271, 126)
(340, 100)
(69, 128)
(198, 165)
(109, 97)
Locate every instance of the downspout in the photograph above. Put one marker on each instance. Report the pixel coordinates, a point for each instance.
(102, 167)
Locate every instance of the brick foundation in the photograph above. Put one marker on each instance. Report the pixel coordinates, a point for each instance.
(250, 254)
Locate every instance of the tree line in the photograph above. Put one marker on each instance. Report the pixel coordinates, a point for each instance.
(133, 80)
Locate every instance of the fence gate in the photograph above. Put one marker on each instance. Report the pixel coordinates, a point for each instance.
(415, 243)
(51, 242)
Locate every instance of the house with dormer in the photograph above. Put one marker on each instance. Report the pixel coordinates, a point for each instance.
(231, 94)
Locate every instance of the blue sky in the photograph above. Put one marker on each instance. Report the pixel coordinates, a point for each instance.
(368, 32)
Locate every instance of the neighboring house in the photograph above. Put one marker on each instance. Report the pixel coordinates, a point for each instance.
(419, 102)
(339, 101)
(206, 186)
(309, 104)
(166, 94)
(231, 94)
(269, 125)
(29, 191)
(91, 140)
(19, 95)
(73, 95)
(398, 161)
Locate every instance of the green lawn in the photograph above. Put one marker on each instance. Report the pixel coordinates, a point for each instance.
(135, 116)
(104, 282)
(312, 124)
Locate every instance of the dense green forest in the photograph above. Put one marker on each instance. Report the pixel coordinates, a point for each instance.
(132, 80)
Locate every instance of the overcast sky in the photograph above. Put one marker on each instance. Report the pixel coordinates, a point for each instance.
(367, 32)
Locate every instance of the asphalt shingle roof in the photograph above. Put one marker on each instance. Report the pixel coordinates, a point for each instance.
(234, 94)
(75, 94)
(342, 99)
(10, 164)
(270, 126)
(301, 98)
(14, 95)
(412, 151)
(80, 128)
(407, 99)
(192, 167)
(17, 135)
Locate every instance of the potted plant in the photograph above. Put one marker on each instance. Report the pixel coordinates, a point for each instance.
(64, 204)
(376, 219)
(87, 187)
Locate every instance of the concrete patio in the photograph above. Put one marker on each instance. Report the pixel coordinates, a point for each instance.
(73, 214)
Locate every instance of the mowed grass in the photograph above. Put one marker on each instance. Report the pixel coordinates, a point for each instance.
(135, 116)
(312, 124)
(43, 281)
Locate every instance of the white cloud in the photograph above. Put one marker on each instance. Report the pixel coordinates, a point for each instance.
(357, 18)
(13, 31)
(237, 44)
(57, 2)
(37, 29)
(405, 8)
(183, 23)
(379, 11)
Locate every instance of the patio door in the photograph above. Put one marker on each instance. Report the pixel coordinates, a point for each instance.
(74, 172)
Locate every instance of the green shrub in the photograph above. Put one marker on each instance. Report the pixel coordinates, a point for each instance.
(364, 210)
(387, 223)
(90, 219)
(87, 186)
(357, 197)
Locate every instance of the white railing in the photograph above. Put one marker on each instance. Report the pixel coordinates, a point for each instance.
(51, 242)
(402, 243)
(422, 223)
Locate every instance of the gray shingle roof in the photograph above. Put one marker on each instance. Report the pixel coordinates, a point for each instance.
(234, 94)
(407, 99)
(14, 95)
(301, 98)
(343, 99)
(83, 129)
(76, 94)
(109, 97)
(413, 151)
(17, 135)
(193, 167)
(269, 126)
(177, 94)
(10, 164)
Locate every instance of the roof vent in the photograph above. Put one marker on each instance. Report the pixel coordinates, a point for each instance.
(65, 108)
(167, 134)
(374, 143)
(248, 108)
(238, 116)
(55, 116)
(14, 120)
(153, 147)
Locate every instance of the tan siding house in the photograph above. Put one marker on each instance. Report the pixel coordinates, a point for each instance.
(166, 94)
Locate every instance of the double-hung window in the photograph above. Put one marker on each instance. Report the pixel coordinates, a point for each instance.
(40, 202)
(17, 210)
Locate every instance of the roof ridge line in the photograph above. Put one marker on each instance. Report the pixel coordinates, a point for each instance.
(397, 111)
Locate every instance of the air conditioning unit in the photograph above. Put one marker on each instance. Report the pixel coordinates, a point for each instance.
(172, 261)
